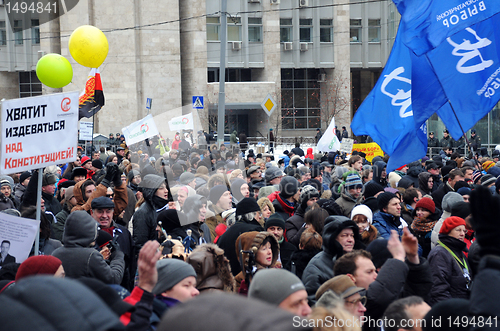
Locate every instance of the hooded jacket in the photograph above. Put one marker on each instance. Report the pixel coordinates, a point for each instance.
(415, 168)
(378, 168)
(423, 183)
(81, 260)
(61, 304)
(212, 269)
(384, 223)
(144, 219)
(251, 241)
(320, 268)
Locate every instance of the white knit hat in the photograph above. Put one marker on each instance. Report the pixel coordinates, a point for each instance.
(362, 210)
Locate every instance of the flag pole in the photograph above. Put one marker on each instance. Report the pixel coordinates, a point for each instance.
(92, 145)
(461, 128)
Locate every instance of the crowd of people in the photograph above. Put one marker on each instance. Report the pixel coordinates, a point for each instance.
(199, 236)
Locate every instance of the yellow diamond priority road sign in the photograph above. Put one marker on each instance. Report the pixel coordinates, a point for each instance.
(269, 105)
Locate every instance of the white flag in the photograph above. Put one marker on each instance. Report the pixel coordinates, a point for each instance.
(140, 130)
(184, 122)
(329, 141)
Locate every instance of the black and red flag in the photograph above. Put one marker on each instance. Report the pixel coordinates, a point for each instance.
(92, 98)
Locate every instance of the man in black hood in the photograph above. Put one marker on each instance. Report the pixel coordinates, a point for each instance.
(340, 235)
(379, 173)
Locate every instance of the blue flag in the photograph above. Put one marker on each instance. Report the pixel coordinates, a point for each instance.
(386, 114)
(464, 69)
(430, 22)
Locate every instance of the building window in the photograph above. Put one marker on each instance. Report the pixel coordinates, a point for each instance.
(232, 75)
(29, 84)
(18, 32)
(355, 30)
(305, 30)
(255, 29)
(234, 29)
(300, 99)
(286, 30)
(213, 28)
(326, 31)
(3, 34)
(35, 32)
(374, 31)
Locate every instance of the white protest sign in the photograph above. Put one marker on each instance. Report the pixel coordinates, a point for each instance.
(346, 145)
(39, 131)
(18, 234)
(86, 129)
(184, 122)
(140, 130)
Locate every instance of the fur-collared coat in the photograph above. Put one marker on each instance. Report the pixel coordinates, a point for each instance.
(213, 271)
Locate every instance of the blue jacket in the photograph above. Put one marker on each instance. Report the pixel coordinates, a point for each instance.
(386, 222)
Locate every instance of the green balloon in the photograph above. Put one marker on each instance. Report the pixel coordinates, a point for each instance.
(54, 70)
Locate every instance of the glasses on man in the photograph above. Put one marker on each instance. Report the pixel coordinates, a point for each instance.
(362, 300)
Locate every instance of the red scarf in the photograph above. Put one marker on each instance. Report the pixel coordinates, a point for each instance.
(286, 207)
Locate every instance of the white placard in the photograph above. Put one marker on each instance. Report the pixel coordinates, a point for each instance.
(140, 130)
(86, 129)
(39, 131)
(346, 145)
(184, 122)
(20, 233)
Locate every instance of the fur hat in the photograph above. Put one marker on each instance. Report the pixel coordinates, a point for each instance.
(252, 241)
(342, 285)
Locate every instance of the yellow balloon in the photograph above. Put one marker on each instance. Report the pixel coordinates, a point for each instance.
(88, 46)
(54, 70)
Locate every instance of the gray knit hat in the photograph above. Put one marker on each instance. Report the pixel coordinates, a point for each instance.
(288, 186)
(450, 199)
(274, 285)
(171, 272)
(186, 178)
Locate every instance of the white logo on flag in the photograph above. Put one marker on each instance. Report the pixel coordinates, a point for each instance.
(401, 98)
(469, 51)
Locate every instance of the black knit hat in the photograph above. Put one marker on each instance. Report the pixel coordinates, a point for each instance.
(461, 209)
(372, 188)
(288, 186)
(97, 164)
(451, 309)
(247, 205)
(24, 176)
(384, 198)
(275, 220)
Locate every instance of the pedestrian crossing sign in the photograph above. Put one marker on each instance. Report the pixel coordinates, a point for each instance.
(198, 102)
(269, 105)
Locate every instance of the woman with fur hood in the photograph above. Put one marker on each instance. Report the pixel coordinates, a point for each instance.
(363, 217)
(255, 251)
(213, 272)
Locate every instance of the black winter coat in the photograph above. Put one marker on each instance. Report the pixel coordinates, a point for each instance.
(144, 219)
(320, 268)
(299, 260)
(228, 241)
(448, 277)
(294, 226)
